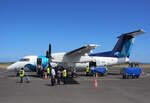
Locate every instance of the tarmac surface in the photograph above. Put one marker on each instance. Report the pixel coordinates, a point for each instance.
(111, 89)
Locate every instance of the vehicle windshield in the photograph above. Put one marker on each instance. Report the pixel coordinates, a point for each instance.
(24, 59)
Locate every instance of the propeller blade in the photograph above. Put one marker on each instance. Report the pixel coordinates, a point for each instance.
(49, 53)
(49, 50)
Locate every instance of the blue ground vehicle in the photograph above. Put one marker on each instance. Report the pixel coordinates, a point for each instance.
(133, 71)
(100, 70)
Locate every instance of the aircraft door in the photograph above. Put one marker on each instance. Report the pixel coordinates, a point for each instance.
(39, 61)
(39, 66)
(91, 64)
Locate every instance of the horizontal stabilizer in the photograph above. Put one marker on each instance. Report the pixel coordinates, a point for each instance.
(134, 33)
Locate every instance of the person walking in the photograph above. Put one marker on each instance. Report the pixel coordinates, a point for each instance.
(53, 73)
(58, 76)
(21, 75)
(48, 71)
(64, 73)
(87, 70)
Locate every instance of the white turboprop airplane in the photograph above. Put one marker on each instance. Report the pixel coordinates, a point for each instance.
(81, 57)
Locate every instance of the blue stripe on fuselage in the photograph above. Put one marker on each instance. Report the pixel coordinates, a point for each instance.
(30, 67)
(103, 54)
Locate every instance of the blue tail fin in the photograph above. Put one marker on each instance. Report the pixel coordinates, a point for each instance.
(124, 44)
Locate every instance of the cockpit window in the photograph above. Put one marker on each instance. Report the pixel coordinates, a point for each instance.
(24, 59)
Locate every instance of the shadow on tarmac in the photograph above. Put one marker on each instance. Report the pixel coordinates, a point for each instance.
(69, 81)
(113, 73)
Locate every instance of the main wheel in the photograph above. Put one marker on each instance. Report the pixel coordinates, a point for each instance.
(133, 77)
(124, 76)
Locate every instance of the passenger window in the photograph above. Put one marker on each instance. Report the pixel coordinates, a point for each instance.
(24, 59)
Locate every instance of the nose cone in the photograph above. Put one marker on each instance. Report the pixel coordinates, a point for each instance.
(11, 67)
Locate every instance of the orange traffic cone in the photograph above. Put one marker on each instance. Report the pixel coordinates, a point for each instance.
(95, 83)
(45, 75)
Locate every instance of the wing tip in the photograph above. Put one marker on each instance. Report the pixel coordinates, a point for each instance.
(92, 45)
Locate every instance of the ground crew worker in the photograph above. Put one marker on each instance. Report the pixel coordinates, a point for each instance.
(87, 70)
(21, 75)
(64, 74)
(48, 71)
(53, 73)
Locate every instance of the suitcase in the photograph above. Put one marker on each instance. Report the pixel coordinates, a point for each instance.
(28, 79)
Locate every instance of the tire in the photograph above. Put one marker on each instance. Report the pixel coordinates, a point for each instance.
(133, 77)
(124, 77)
(101, 74)
(127, 76)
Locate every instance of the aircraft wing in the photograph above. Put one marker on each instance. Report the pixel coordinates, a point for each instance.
(82, 50)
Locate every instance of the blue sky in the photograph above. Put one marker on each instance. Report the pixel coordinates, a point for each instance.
(27, 26)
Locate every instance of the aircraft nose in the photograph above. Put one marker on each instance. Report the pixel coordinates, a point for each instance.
(9, 67)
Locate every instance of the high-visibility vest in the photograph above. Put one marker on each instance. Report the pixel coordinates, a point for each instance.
(64, 73)
(48, 70)
(21, 73)
(87, 69)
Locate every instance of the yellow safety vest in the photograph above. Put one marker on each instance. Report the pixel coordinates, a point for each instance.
(64, 73)
(48, 70)
(87, 69)
(21, 73)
